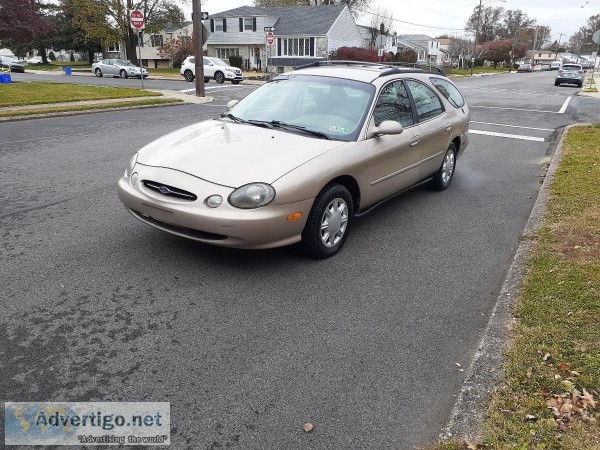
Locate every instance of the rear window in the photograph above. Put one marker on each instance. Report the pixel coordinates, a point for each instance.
(571, 67)
(449, 91)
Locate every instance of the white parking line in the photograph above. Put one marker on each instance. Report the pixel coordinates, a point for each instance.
(564, 106)
(512, 126)
(509, 136)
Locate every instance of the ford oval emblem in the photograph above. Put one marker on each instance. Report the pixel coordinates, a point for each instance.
(164, 190)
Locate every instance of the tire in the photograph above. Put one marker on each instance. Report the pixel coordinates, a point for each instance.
(442, 178)
(123, 73)
(580, 84)
(235, 81)
(328, 223)
(206, 80)
(219, 77)
(98, 72)
(188, 75)
(556, 83)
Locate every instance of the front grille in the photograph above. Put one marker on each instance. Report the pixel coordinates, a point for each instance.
(170, 191)
(238, 72)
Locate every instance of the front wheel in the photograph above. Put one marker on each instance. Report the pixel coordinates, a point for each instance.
(328, 223)
(219, 77)
(98, 72)
(123, 73)
(556, 83)
(188, 75)
(443, 177)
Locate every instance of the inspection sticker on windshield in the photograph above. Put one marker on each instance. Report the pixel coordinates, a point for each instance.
(337, 129)
(87, 423)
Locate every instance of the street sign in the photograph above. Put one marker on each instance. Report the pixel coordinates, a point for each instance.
(137, 19)
(204, 15)
(270, 38)
(596, 37)
(205, 34)
(269, 29)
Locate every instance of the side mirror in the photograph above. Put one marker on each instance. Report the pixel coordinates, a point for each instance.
(386, 127)
(232, 103)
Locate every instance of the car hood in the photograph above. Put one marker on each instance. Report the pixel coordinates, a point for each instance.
(232, 154)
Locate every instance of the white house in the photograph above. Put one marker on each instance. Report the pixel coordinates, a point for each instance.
(302, 34)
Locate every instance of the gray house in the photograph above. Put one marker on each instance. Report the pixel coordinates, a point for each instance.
(302, 34)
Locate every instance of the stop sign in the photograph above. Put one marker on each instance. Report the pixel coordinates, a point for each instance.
(137, 19)
(270, 38)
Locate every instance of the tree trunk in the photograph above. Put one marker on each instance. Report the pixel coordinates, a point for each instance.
(91, 55)
(131, 48)
(42, 53)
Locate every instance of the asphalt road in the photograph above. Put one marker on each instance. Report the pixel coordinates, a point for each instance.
(249, 346)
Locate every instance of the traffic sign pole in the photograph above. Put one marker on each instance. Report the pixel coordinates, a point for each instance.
(138, 22)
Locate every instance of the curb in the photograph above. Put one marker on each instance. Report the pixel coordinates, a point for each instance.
(485, 369)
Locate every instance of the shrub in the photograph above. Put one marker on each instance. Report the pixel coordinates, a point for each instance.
(177, 50)
(235, 61)
(406, 55)
(52, 56)
(356, 54)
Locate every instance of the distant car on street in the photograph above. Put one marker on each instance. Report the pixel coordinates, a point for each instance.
(11, 64)
(524, 68)
(570, 74)
(35, 61)
(214, 68)
(555, 65)
(117, 68)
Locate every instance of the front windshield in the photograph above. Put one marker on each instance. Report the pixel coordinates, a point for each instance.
(332, 106)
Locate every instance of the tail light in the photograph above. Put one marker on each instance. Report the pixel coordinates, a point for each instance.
(580, 71)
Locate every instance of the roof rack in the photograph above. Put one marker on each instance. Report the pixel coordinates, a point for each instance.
(391, 67)
(341, 63)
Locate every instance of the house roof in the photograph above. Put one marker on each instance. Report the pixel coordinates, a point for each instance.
(415, 37)
(292, 20)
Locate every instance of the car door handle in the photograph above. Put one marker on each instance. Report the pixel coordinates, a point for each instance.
(415, 141)
(448, 127)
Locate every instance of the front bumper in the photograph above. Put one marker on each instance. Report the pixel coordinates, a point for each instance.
(224, 226)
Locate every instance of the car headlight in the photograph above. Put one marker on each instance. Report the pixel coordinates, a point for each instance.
(253, 195)
(130, 165)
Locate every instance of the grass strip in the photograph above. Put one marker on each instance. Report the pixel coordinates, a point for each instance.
(37, 93)
(548, 397)
(67, 108)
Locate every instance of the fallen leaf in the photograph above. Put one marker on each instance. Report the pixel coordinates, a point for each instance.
(588, 400)
(546, 356)
(457, 364)
(557, 377)
(567, 384)
(563, 366)
(530, 417)
(574, 373)
(563, 426)
(308, 427)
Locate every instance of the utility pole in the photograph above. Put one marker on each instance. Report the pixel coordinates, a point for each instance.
(534, 44)
(558, 45)
(198, 39)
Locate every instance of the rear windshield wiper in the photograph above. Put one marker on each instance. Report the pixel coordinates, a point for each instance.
(277, 123)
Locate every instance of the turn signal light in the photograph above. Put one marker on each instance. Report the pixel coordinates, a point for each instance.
(294, 216)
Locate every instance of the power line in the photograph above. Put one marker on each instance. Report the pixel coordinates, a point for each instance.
(409, 23)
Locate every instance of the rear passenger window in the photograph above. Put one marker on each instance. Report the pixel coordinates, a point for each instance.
(449, 91)
(393, 104)
(426, 101)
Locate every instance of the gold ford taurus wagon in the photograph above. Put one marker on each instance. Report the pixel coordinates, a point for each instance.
(300, 157)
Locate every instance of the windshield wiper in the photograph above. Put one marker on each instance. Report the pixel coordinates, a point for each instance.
(234, 118)
(279, 124)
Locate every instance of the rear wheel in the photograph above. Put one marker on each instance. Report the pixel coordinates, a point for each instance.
(443, 177)
(206, 80)
(328, 223)
(123, 73)
(188, 75)
(98, 72)
(219, 77)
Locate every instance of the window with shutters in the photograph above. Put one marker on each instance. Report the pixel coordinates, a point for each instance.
(248, 24)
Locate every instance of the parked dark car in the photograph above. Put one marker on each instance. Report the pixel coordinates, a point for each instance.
(525, 68)
(12, 64)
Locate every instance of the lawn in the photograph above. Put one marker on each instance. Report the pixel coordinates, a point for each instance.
(548, 397)
(15, 94)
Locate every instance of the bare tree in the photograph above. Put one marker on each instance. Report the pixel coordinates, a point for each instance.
(380, 25)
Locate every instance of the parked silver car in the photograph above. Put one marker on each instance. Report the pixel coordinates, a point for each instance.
(117, 68)
(300, 157)
(570, 74)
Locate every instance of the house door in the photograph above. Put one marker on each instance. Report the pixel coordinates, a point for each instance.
(257, 62)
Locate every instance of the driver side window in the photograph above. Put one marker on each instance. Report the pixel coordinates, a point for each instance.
(393, 104)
